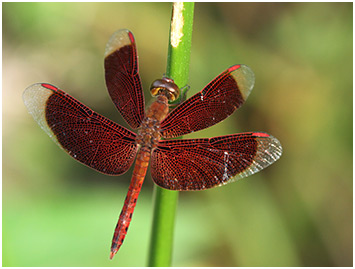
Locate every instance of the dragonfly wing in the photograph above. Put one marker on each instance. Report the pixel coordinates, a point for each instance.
(84, 134)
(196, 164)
(122, 77)
(218, 100)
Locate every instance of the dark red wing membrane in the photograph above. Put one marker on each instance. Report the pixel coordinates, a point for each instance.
(87, 136)
(122, 78)
(196, 164)
(219, 99)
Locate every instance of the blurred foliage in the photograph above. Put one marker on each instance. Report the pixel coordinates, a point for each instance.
(298, 212)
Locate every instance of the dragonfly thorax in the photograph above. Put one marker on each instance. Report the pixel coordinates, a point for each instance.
(149, 130)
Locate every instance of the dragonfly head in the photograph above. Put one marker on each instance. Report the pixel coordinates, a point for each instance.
(165, 86)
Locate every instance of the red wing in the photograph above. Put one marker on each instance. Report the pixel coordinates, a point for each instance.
(122, 77)
(196, 164)
(87, 136)
(219, 99)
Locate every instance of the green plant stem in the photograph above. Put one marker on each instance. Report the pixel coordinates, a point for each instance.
(177, 69)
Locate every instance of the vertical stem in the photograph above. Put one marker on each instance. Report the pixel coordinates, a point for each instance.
(177, 69)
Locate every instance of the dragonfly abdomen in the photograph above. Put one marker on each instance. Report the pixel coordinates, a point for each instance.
(139, 172)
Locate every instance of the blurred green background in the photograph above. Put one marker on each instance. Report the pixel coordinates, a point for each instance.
(298, 212)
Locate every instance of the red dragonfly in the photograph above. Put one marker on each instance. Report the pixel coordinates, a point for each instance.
(182, 164)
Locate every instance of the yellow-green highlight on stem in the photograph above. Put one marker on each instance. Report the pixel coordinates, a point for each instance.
(161, 247)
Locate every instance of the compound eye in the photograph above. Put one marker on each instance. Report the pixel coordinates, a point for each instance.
(165, 86)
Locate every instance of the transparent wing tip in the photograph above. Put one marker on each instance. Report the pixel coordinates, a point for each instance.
(244, 77)
(118, 39)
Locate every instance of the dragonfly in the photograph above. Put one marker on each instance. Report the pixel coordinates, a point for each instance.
(176, 164)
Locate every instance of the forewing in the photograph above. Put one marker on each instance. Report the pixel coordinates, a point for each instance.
(84, 134)
(122, 77)
(218, 100)
(196, 164)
